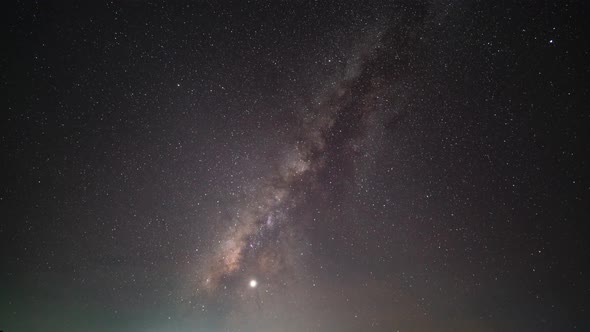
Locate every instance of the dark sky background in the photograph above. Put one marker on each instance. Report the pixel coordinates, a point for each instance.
(374, 166)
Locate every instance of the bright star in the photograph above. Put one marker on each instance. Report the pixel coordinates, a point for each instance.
(253, 283)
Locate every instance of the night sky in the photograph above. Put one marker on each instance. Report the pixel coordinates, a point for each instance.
(294, 166)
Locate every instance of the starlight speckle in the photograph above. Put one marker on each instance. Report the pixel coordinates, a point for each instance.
(294, 166)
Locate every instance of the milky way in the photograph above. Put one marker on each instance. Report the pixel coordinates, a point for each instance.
(338, 115)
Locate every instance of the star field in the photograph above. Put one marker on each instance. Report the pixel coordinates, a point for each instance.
(294, 166)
